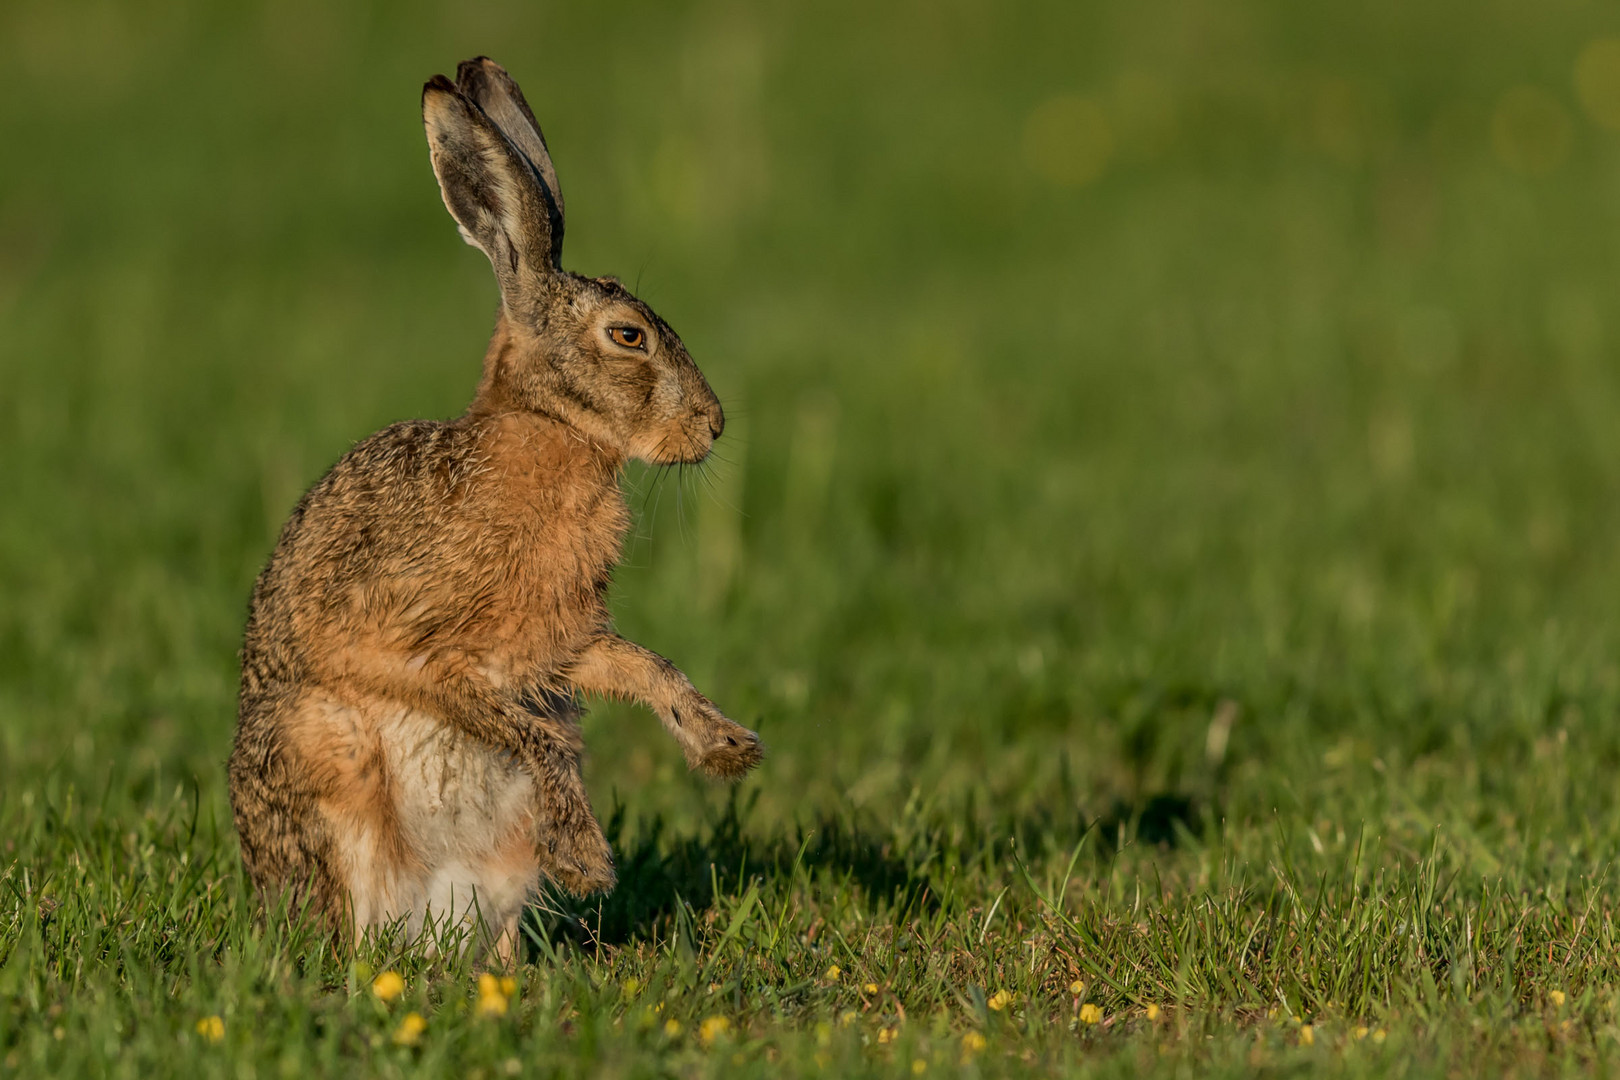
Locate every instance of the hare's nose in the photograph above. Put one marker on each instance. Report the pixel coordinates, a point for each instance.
(717, 421)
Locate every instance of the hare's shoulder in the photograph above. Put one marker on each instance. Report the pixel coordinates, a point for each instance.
(514, 494)
(384, 499)
(413, 457)
(391, 476)
(515, 462)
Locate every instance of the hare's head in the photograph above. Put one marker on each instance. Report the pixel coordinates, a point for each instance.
(582, 350)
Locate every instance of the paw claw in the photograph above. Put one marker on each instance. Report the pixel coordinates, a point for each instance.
(735, 757)
(584, 866)
(582, 882)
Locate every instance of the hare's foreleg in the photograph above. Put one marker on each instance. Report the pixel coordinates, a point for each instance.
(573, 850)
(613, 667)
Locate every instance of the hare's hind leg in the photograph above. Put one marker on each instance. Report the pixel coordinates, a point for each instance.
(364, 854)
(510, 878)
(507, 948)
(284, 841)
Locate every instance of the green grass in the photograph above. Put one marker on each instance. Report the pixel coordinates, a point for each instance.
(1197, 582)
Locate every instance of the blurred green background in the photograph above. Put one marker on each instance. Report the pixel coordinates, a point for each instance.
(1212, 400)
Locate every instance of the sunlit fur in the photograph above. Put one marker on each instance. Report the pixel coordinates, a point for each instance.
(557, 359)
(407, 747)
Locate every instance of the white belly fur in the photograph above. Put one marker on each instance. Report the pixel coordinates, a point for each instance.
(456, 803)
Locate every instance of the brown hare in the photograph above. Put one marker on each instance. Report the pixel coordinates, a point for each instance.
(407, 746)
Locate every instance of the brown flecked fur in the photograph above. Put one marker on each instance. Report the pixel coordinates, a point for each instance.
(407, 744)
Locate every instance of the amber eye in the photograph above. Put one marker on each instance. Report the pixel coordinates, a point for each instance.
(628, 336)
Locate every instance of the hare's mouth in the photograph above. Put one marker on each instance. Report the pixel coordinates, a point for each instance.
(684, 442)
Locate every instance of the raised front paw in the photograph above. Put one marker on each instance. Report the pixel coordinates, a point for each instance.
(580, 860)
(715, 744)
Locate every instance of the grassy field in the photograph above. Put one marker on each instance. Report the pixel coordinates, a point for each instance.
(1166, 534)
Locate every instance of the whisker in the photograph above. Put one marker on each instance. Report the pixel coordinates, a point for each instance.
(716, 492)
(680, 508)
(658, 487)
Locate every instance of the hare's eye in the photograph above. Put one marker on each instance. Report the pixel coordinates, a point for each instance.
(628, 336)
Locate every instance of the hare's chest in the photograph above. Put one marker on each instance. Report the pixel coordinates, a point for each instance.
(554, 521)
(550, 599)
(566, 551)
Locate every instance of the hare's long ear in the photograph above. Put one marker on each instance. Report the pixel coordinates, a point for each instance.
(490, 189)
(488, 86)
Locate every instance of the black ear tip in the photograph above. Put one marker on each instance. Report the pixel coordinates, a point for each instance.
(440, 84)
(476, 71)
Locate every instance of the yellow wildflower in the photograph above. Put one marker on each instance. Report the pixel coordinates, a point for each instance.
(388, 986)
(672, 1027)
(1360, 1033)
(1307, 1035)
(973, 1042)
(918, 1066)
(1152, 1012)
(1077, 988)
(999, 1000)
(847, 1018)
(712, 1028)
(508, 986)
(833, 972)
(491, 996)
(1090, 1014)
(870, 988)
(1556, 997)
(410, 1029)
(886, 1035)
(211, 1028)
(1380, 1035)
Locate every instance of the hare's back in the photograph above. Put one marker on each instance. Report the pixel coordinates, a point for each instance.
(392, 492)
(384, 513)
(390, 507)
